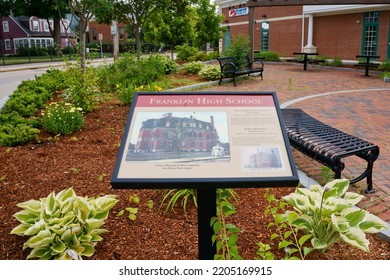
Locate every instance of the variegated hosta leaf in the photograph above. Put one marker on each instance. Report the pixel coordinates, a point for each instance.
(336, 188)
(105, 203)
(353, 198)
(340, 223)
(318, 244)
(354, 215)
(356, 238)
(65, 194)
(36, 228)
(27, 217)
(314, 193)
(34, 206)
(372, 224)
(42, 239)
(304, 222)
(298, 201)
(42, 253)
(94, 223)
(20, 229)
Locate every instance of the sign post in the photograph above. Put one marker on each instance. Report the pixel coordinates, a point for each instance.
(101, 46)
(204, 141)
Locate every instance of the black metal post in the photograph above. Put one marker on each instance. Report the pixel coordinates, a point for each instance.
(206, 210)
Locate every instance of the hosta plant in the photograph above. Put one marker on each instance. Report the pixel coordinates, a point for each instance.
(63, 225)
(329, 215)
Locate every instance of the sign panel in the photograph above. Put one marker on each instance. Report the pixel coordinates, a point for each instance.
(239, 12)
(204, 140)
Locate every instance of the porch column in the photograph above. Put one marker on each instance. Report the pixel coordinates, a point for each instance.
(309, 47)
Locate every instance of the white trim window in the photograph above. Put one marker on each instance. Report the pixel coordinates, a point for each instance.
(35, 25)
(7, 44)
(5, 26)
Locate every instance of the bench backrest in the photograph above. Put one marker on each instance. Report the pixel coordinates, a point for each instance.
(240, 63)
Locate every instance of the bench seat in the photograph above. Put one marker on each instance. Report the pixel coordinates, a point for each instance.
(328, 145)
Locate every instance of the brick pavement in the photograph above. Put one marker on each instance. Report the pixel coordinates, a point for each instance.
(342, 98)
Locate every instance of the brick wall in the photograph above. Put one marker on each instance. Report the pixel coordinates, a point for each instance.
(334, 36)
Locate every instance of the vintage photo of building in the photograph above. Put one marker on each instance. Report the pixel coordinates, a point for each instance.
(179, 136)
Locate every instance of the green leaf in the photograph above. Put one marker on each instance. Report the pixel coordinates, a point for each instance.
(20, 229)
(356, 238)
(307, 250)
(372, 224)
(31, 205)
(233, 239)
(304, 238)
(132, 210)
(58, 246)
(317, 244)
(36, 228)
(132, 217)
(120, 213)
(274, 235)
(26, 216)
(94, 223)
(284, 244)
(88, 250)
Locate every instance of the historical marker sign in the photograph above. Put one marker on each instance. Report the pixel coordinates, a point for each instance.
(204, 140)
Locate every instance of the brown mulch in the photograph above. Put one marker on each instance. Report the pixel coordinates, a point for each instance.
(35, 170)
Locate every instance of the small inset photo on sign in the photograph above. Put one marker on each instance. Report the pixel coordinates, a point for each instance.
(260, 158)
(179, 137)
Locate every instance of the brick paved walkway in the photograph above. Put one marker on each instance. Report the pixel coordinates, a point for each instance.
(342, 98)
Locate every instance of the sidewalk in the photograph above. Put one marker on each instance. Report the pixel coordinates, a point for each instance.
(342, 98)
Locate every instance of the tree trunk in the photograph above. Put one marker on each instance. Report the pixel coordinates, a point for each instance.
(137, 38)
(57, 36)
(83, 27)
(116, 41)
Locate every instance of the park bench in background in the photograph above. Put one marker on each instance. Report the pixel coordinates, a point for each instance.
(231, 68)
(328, 145)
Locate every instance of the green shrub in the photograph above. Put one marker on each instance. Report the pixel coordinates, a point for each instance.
(17, 134)
(126, 94)
(83, 87)
(63, 226)
(193, 67)
(239, 48)
(62, 118)
(267, 56)
(385, 66)
(336, 62)
(185, 52)
(210, 72)
(26, 100)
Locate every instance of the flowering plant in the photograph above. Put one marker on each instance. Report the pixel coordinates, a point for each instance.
(62, 118)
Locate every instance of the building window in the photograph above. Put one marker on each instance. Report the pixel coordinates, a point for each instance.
(370, 33)
(46, 26)
(121, 33)
(264, 36)
(5, 26)
(94, 38)
(35, 25)
(7, 44)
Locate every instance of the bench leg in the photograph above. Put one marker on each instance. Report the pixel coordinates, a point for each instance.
(234, 80)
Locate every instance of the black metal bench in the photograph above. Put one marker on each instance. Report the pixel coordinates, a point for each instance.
(328, 145)
(232, 67)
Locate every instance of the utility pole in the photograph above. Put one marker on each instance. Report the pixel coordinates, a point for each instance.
(114, 33)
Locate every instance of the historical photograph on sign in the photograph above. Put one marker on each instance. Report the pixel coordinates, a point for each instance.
(260, 158)
(179, 137)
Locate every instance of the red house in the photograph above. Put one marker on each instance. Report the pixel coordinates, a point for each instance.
(29, 31)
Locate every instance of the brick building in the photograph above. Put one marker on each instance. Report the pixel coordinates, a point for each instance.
(334, 31)
(102, 31)
(170, 134)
